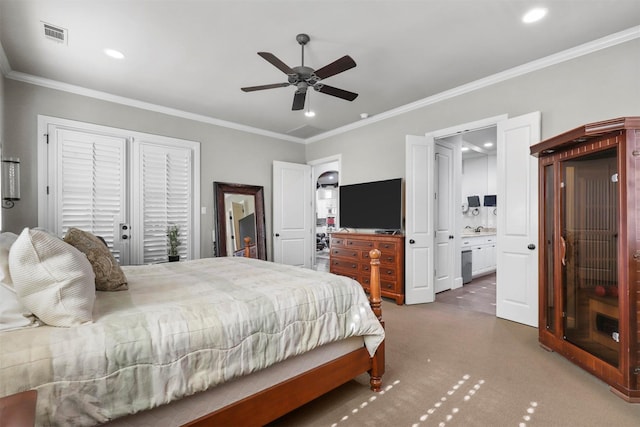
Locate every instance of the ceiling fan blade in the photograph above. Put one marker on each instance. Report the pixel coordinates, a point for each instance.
(334, 91)
(271, 86)
(298, 100)
(271, 58)
(339, 65)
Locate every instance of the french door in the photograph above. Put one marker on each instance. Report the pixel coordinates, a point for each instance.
(124, 186)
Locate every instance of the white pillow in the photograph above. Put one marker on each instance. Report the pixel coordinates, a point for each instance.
(52, 278)
(12, 314)
(6, 240)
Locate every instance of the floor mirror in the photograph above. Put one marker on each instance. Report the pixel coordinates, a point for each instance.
(239, 214)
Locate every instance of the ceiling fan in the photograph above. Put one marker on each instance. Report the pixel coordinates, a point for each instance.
(305, 77)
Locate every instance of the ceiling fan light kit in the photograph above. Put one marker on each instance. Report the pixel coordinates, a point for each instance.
(303, 77)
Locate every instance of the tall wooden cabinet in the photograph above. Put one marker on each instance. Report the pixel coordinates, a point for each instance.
(589, 186)
(349, 256)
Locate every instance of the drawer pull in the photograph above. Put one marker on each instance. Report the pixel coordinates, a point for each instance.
(354, 265)
(389, 272)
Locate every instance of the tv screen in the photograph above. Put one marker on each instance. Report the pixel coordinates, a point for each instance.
(490, 200)
(372, 205)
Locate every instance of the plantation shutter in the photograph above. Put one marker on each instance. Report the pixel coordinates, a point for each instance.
(163, 197)
(122, 185)
(90, 184)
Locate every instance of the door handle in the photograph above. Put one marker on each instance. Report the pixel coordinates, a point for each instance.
(277, 235)
(411, 241)
(450, 237)
(531, 246)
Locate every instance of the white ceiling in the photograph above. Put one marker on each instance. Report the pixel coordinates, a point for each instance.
(193, 56)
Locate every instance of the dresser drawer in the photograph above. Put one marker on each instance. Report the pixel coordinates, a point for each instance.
(360, 244)
(345, 265)
(385, 257)
(345, 253)
(388, 272)
(385, 285)
(337, 241)
(389, 247)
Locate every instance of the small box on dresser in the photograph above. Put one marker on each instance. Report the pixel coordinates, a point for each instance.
(349, 256)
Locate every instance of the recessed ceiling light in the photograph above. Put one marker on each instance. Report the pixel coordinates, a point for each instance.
(534, 15)
(114, 53)
(364, 115)
(309, 113)
(488, 144)
(465, 148)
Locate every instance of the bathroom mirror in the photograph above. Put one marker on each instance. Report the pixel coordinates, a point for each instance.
(239, 214)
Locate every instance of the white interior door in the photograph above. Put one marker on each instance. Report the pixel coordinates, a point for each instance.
(517, 230)
(419, 235)
(292, 213)
(444, 247)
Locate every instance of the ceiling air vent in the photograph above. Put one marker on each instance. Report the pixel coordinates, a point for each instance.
(54, 33)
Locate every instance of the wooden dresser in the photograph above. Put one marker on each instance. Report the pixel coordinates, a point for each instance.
(349, 256)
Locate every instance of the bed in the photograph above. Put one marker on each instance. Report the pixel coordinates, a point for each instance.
(200, 328)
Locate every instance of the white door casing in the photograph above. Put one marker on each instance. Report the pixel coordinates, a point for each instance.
(292, 213)
(517, 223)
(419, 234)
(444, 246)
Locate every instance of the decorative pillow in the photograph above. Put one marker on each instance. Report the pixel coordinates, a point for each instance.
(13, 315)
(109, 275)
(52, 278)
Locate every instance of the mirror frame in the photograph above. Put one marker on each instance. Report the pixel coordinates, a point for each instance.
(220, 189)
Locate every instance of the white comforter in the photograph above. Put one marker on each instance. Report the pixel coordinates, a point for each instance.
(179, 329)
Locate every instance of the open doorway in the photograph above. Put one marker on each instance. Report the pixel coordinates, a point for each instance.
(476, 219)
(326, 177)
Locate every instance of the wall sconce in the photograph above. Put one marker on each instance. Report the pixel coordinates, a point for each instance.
(10, 181)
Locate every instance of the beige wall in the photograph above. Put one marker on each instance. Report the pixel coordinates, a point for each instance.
(227, 155)
(598, 86)
(594, 87)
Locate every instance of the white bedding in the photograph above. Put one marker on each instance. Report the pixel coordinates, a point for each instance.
(180, 329)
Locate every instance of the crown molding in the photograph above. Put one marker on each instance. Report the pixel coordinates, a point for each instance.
(566, 55)
(104, 96)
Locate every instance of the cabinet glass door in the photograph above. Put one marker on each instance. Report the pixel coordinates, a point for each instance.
(589, 253)
(549, 242)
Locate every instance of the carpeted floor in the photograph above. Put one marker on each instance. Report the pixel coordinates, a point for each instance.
(447, 366)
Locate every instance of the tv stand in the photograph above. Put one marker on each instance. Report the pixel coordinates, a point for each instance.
(349, 256)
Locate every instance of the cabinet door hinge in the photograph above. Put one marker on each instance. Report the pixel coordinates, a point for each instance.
(47, 190)
(46, 136)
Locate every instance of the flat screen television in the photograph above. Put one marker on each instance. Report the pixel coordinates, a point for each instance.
(490, 200)
(372, 205)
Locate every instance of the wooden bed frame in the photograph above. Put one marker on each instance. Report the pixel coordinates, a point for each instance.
(276, 401)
